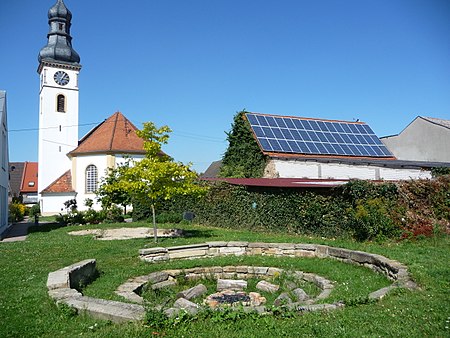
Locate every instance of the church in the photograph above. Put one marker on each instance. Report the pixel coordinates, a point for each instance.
(70, 168)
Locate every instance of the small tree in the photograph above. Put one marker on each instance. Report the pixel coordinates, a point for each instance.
(110, 192)
(155, 177)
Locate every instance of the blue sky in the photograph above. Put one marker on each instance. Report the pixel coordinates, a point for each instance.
(193, 64)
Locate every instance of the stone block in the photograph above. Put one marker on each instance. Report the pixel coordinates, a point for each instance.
(107, 310)
(242, 269)
(202, 246)
(186, 253)
(308, 247)
(193, 292)
(255, 251)
(324, 294)
(174, 273)
(229, 268)
(379, 294)
(216, 244)
(58, 279)
(63, 293)
(340, 253)
(304, 253)
(237, 251)
(322, 251)
(267, 287)
(274, 271)
(237, 244)
(258, 245)
(156, 277)
(282, 246)
(258, 270)
(152, 251)
(81, 272)
(231, 284)
(164, 284)
(282, 299)
(300, 295)
(186, 305)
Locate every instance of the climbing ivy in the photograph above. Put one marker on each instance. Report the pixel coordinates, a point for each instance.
(243, 158)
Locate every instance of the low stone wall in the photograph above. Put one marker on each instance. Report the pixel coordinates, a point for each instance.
(392, 269)
(62, 284)
(132, 288)
(62, 287)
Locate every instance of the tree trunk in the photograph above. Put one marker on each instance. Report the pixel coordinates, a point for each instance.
(155, 231)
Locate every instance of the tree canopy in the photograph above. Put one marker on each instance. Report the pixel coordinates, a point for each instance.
(153, 178)
(243, 158)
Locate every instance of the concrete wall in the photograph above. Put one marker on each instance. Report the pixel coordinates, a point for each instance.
(4, 164)
(303, 169)
(421, 141)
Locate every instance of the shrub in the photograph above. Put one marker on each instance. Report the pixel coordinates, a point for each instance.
(17, 211)
(169, 217)
(35, 210)
(113, 214)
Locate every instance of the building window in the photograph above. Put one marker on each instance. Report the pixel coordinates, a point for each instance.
(61, 103)
(91, 178)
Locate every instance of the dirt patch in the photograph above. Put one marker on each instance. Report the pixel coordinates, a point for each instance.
(126, 233)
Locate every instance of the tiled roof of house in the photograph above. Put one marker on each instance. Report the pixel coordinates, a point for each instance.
(116, 135)
(15, 177)
(61, 184)
(441, 122)
(30, 178)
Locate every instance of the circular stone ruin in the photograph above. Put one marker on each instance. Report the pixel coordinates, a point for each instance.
(63, 284)
(232, 288)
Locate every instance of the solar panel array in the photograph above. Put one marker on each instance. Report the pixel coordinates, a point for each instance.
(315, 137)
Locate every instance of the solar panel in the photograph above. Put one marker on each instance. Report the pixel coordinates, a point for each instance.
(315, 137)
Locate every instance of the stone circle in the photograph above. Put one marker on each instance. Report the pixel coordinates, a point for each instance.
(62, 284)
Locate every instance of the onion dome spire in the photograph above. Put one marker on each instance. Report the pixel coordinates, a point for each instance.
(59, 44)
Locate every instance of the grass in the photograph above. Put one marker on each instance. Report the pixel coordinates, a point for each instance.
(27, 311)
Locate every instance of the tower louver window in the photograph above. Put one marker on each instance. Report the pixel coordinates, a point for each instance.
(61, 104)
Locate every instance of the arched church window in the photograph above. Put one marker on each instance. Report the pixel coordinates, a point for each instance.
(91, 178)
(61, 103)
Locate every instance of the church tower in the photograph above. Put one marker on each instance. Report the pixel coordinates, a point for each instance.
(59, 66)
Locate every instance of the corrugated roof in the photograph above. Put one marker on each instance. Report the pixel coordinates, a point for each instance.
(61, 184)
(281, 182)
(30, 178)
(116, 135)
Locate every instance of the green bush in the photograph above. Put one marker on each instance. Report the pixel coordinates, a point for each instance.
(17, 211)
(35, 210)
(113, 214)
(168, 217)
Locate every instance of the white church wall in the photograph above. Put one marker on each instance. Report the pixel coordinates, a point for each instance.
(53, 204)
(82, 162)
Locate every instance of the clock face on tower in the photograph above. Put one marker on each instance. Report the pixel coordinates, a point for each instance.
(61, 78)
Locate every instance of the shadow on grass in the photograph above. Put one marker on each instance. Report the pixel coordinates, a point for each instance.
(198, 233)
(47, 227)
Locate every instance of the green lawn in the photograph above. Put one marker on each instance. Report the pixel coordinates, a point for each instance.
(27, 311)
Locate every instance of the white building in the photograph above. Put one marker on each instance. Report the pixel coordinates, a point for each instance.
(424, 139)
(68, 168)
(104, 147)
(4, 169)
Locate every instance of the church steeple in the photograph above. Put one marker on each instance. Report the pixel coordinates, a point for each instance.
(59, 45)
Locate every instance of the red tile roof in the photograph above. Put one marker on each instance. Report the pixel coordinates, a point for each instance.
(61, 184)
(30, 178)
(116, 135)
